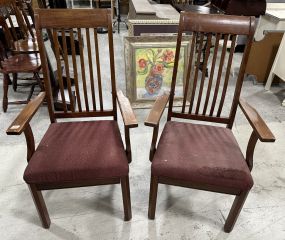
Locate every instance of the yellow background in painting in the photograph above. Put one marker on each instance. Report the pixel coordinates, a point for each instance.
(146, 53)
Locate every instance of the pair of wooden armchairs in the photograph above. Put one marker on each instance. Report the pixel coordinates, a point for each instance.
(84, 153)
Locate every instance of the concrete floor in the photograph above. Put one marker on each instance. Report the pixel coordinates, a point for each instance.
(97, 212)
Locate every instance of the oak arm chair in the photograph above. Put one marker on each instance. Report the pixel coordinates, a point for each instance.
(199, 156)
(78, 153)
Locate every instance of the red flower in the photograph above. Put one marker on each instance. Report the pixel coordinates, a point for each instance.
(157, 69)
(142, 63)
(168, 56)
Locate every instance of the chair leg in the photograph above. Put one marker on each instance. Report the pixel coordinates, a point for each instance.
(40, 205)
(235, 210)
(5, 92)
(152, 197)
(126, 198)
(15, 81)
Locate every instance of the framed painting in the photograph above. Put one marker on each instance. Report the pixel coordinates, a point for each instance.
(149, 65)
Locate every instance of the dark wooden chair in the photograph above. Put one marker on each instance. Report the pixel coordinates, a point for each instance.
(204, 156)
(78, 153)
(14, 64)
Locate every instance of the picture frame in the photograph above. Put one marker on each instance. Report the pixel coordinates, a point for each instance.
(139, 27)
(149, 62)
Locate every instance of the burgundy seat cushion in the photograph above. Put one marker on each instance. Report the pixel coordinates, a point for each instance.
(201, 154)
(78, 151)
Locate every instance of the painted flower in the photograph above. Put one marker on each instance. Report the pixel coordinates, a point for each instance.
(168, 56)
(157, 68)
(142, 63)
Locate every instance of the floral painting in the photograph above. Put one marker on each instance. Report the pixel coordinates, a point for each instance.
(154, 67)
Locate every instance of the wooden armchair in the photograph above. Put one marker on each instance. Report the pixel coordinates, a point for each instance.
(199, 156)
(78, 153)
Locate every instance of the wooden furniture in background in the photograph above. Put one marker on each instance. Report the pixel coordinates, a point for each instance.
(274, 21)
(22, 38)
(78, 153)
(19, 63)
(262, 55)
(203, 156)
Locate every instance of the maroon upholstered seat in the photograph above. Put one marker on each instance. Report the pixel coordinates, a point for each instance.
(181, 154)
(58, 160)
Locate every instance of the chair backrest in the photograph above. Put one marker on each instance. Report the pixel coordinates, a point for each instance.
(74, 31)
(212, 46)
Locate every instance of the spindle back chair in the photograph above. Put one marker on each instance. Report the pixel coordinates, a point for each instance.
(85, 152)
(206, 156)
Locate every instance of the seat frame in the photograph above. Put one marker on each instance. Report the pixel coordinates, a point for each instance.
(190, 22)
(22, 122)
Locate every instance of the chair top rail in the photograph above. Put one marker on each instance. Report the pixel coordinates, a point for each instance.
(76, 18)
(217, 23)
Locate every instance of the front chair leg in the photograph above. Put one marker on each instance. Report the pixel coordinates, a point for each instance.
(152, 197)
(235, 210)
(126, 198)
(40, 205)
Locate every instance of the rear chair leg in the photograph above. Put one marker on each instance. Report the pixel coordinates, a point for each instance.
(235, 210)
(5, 92)
(40, 205)
(152, 197)
(126, 198)
(15, 81)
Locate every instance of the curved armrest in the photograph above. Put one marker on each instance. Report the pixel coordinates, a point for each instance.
(128, 115)
(259, 126)
(23, 119)
(157, 110)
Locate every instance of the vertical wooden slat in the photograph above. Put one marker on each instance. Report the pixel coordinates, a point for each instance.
(112, 66)
(66, 63)
(14, 34)
(59, 69)
(75, 73)
(28, 24)
(174, 74)
(98, 69)
(83, 69)
(205, 62)
(201, 39)
(90, 68)
(218, 37)
(240, 78)
(194, 35)
(219, 74)
(227, 75)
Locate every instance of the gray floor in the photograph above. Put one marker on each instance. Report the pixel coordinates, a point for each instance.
(97, 212)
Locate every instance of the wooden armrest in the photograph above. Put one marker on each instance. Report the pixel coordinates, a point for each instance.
(259, 126)
(128, 115)
(156, 112)
(23, 119)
